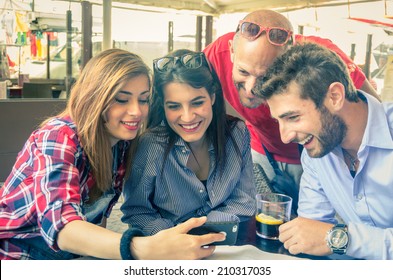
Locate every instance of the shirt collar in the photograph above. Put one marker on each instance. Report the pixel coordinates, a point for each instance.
(377, 133)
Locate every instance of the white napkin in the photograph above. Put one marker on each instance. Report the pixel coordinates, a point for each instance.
(246, 252)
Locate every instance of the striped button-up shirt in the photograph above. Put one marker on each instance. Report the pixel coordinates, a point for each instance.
(157, 199)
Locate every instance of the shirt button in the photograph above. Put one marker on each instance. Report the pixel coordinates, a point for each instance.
(183, 151)
(359, 197)
(200, 191)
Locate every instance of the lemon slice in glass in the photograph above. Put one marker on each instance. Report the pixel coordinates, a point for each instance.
(268, 220)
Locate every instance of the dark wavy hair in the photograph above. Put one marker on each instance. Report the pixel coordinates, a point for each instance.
(313, 67)
(221, 125)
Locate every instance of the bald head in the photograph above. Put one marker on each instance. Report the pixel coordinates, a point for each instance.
(266, 18)
(269, 18)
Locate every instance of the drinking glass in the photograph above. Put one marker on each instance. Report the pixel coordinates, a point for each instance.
(273, 209)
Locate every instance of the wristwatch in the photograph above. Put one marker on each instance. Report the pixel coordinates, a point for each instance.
(337, 239)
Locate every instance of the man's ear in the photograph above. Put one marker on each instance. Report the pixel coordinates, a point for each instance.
(335, 97)
(231, 49)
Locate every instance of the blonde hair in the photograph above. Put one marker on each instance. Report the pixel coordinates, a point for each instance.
(91, 96)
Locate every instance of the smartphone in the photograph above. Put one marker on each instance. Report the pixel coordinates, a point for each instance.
(230, 228)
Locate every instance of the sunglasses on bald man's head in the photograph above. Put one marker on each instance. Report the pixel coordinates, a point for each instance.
(275, 35)
(189, 60)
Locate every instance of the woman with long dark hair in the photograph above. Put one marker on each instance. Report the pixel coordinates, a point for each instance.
(193, 160)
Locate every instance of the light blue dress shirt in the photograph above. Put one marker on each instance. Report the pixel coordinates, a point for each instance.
(364, 202)
(156, 200)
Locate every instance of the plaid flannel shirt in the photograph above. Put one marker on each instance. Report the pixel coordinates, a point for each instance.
(48, 186)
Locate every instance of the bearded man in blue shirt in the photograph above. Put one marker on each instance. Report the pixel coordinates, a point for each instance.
(347, 156)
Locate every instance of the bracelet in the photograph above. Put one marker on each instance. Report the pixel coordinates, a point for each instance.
(125, 243)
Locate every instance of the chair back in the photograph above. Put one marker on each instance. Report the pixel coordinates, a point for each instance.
(262, 182)
(37, 90)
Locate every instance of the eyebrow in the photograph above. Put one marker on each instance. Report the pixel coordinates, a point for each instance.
(192, 100)
(286, 114)
(241, 68)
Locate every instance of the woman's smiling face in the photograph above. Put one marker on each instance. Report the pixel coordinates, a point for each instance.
(188, 110)
(129, 110)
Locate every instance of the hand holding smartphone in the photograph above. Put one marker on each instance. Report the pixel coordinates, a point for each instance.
(230, 229)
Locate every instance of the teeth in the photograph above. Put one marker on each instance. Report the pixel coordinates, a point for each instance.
(131, 123)
(192, 126)
(305, 140)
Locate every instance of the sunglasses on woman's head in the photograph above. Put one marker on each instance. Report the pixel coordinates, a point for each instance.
(275, 35)
(189, 60)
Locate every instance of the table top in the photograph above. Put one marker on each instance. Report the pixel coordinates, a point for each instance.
(247, 236)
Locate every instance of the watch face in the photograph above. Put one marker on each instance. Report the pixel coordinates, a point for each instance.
(338, 238)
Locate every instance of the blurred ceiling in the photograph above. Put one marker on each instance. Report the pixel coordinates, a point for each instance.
(217, 7)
